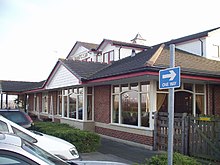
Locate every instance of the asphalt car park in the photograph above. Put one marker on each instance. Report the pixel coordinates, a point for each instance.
(111, 150)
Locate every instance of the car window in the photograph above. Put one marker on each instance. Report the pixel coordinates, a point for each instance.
(3, 127)
(9, 158)
(24, 135)
(15, 116)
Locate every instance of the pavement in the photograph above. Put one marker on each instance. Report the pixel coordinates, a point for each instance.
(119, 152)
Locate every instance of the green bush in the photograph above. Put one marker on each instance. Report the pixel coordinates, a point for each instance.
(178, 159)
(84, 141)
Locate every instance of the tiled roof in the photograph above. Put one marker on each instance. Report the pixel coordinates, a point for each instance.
(83, 69)
(189, 63)
(191, 37)
(87, 45)
(125, 44)
(153, 59)
(19, 86)
(126, 65)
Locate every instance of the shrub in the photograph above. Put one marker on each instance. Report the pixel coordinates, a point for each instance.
(84, 141)
(178, 159)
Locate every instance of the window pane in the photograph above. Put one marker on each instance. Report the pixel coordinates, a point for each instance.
(199, 88)
(124, 87)
(200, 104)
(145, 110)
(162, 102)
(134, 86)
(80, 90)
(111, 54)
(89, 90)
(72, 106)
(65, 106)
(145, 86)
(188, 86)
(130, 108)
(115, 108)
(3, 127)
(80, 107)
(89, 107)
(116, 89)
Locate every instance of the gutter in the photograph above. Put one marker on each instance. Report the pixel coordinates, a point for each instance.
(202, 52)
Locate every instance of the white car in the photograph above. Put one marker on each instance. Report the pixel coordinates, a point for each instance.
(14, 150)
(54, 145)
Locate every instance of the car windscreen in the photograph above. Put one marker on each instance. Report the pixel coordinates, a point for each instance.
(15, 116)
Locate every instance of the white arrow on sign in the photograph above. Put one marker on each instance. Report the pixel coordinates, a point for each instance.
(171, 76)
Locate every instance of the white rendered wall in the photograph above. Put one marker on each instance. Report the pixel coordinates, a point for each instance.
(62, 78)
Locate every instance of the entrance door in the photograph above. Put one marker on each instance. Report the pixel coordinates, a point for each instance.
(183, 102)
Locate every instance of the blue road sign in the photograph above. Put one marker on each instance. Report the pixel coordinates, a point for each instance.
(169, 78)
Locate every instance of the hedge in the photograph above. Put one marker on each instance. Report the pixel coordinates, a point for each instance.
(178, 159)
(84, 141)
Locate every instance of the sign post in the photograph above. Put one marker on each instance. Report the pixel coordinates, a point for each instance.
(170, 79)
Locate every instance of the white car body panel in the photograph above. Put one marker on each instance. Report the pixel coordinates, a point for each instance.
(54, 145)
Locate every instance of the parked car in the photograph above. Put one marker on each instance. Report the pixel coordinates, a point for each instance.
(17, 116)
(54, 145)
(14, 150)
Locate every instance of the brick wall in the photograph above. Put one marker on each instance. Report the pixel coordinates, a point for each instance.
(217, 100)
(102, 104)
(141, 139)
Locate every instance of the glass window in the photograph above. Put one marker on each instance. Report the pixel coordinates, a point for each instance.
(200, 104)
(80, 107)
(59, 106)
(145, 86)
(6, 159)
(3, 127)
(188, 86)
(134, 86)
(124, 87)
(72, 105)
(116, 89)
(89, 90)
(115, 108)
(23, 135)
(145, 105)
(45, 103)
(89, 107)
(162, 102)
(199, 88)
(130, 108)
(65, 106)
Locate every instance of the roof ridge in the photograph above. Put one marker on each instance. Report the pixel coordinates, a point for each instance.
(154, 57)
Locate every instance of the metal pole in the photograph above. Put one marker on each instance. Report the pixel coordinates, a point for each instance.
(171, 110)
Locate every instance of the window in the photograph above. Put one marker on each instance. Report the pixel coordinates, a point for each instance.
(185, 102)
(59, 103)
(89, 103)
(108, 57)
(130, 104)
(3, 127)
(45, 103)
(23, 135)
(99, 58)
(217, 50)
(8, 157)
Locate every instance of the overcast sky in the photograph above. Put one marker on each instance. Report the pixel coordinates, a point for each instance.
(35, 33)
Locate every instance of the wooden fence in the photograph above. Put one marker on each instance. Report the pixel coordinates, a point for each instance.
(194, 136)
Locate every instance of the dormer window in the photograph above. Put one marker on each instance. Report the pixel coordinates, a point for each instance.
(108, 57)
(218, 50)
